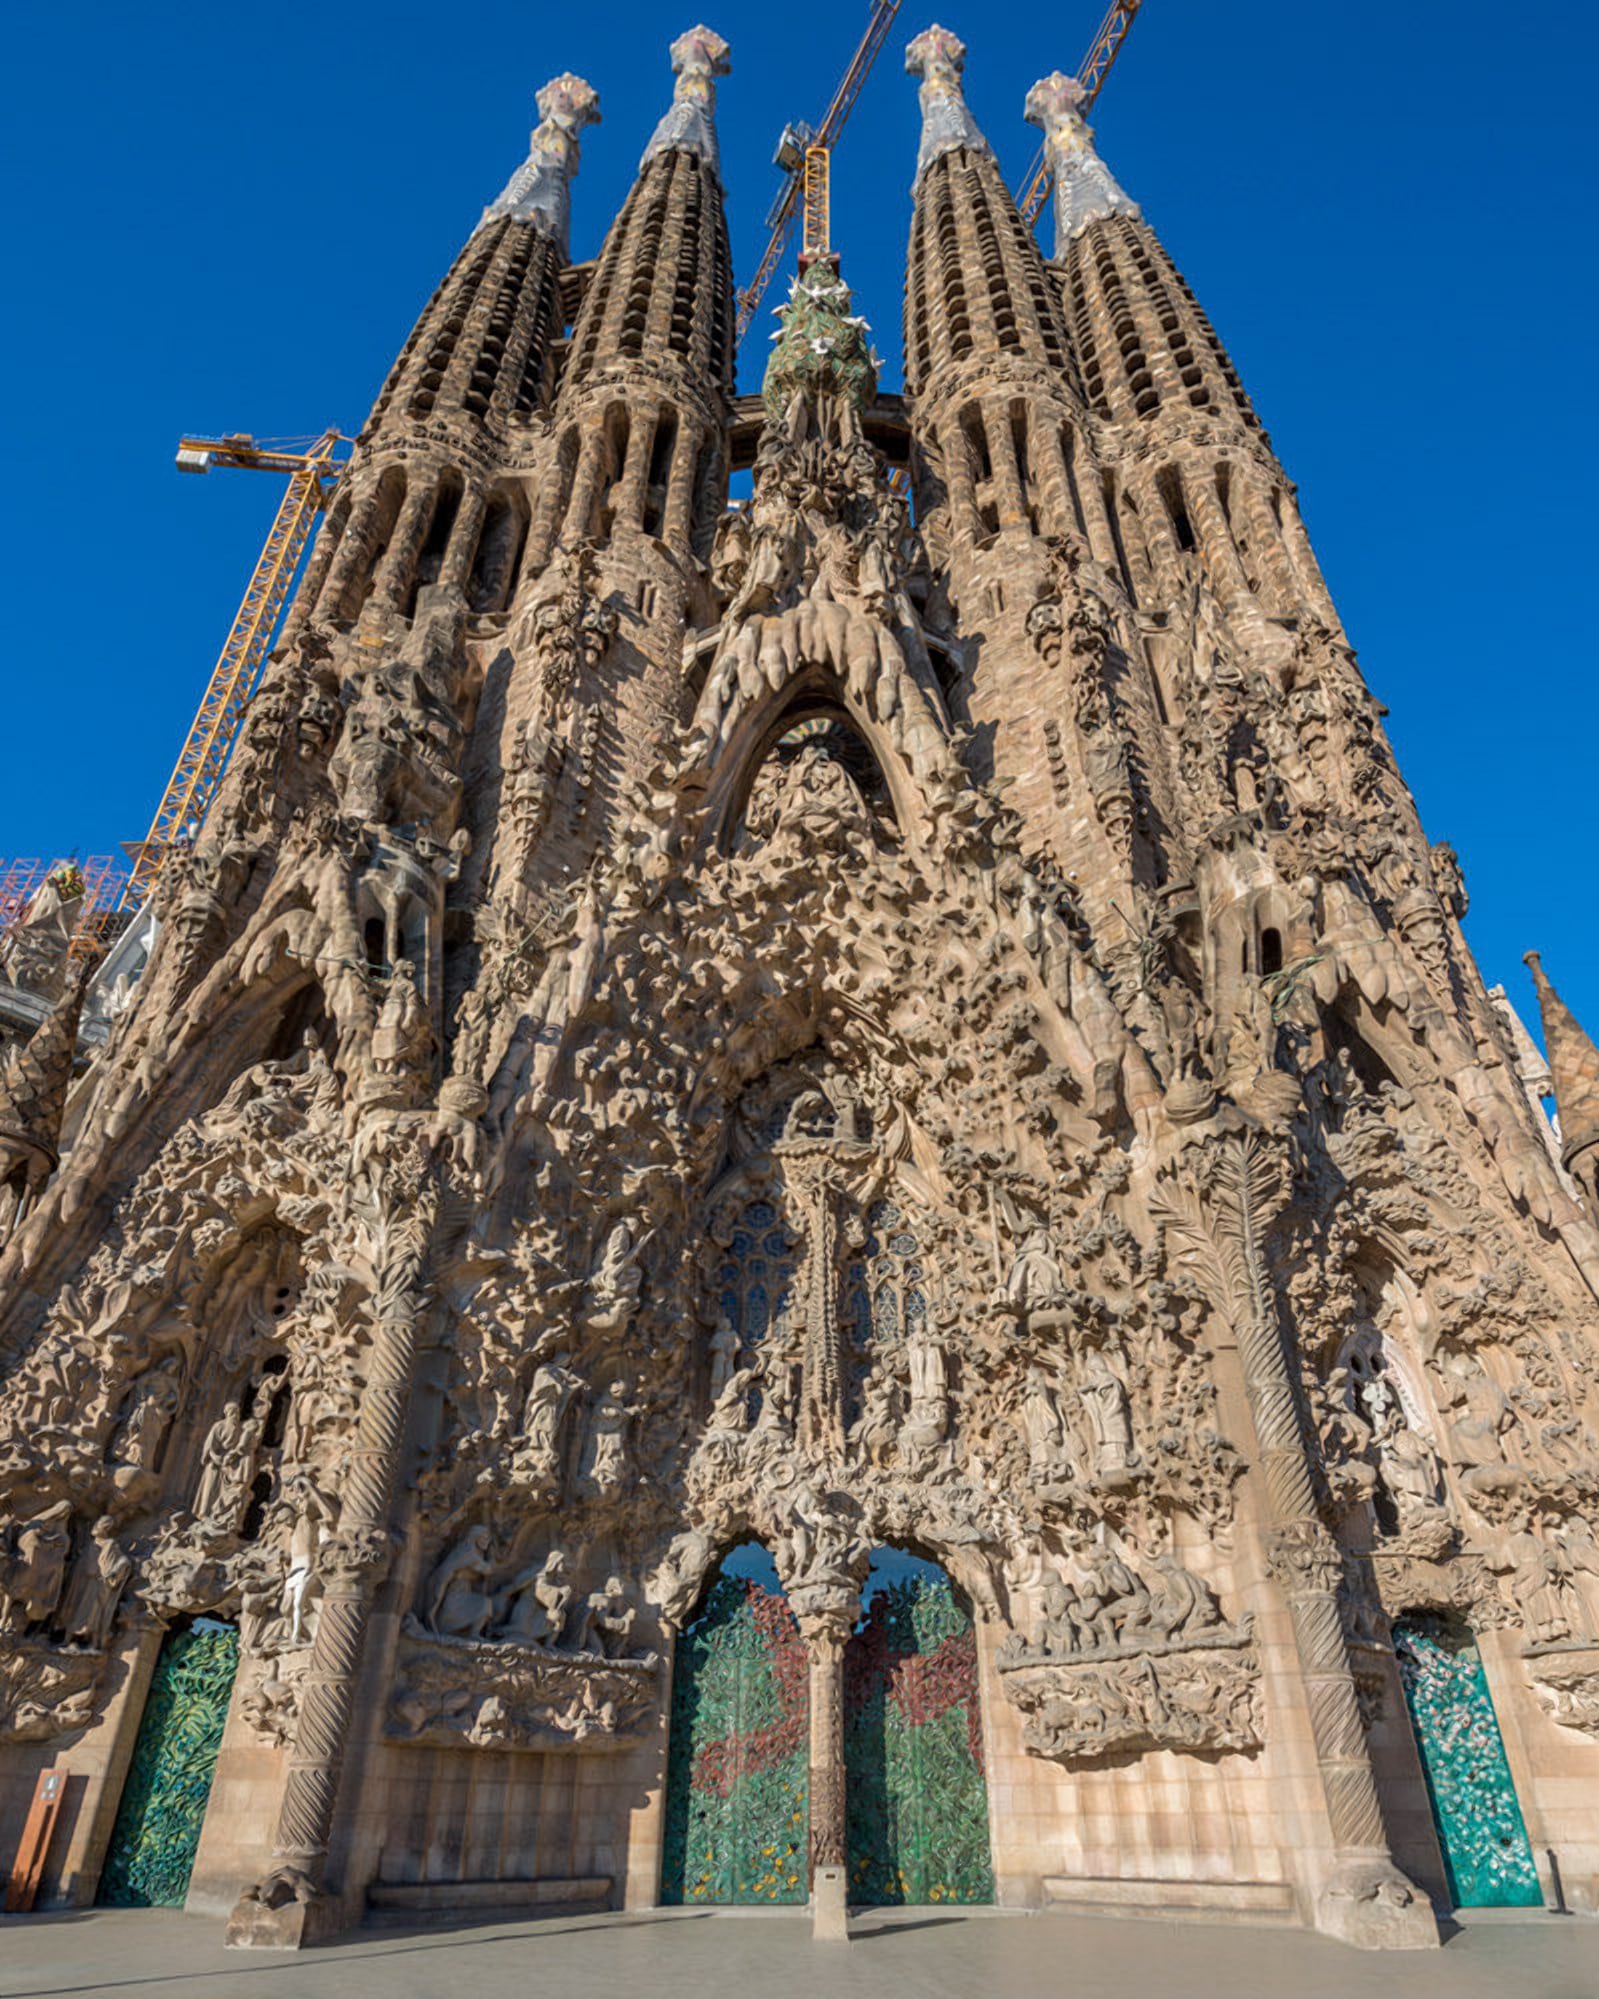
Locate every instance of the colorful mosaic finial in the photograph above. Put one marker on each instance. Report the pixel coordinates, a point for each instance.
(698, 58)
(822, 349)
(938, 57)
(1085, 188)
(540, 191)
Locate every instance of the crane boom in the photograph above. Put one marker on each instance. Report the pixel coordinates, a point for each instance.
(1095, 67)
(792, 149)
(205, 752)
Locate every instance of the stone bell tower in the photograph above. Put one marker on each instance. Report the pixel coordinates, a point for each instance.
(885, 1108)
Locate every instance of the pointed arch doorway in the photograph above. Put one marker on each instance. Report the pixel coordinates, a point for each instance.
(738, 1755)
(913, 1746)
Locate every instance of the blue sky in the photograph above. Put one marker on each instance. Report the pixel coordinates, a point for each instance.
(227, 219)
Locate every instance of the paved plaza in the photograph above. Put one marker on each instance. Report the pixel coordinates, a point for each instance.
(694, 1954)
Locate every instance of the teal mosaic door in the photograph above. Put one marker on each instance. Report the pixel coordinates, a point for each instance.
(158, 1824)
(1487, 1854)
(918, 1796)
(738, 1765)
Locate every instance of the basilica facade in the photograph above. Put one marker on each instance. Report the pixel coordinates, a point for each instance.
(807, 1201)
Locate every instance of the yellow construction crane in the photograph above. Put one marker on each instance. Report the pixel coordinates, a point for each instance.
(1095, 68)
(198, 771)
(803, 156)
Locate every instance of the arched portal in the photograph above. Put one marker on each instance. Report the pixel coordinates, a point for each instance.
(913, 1746)
(738, 1761)
(158, 1824)
(1487, 1855)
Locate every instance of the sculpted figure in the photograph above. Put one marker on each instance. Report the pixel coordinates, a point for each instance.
(878, 1426)
(1409, 1470)
(1096, 1595)
(607, 1466)
(548, 1398)
(97, 1584)
(1184, 1019)
(225, 1464)
(458, 1605)
(309, 1399)
(30, 1587)
(402, 1041)
(1104, 1399)
(608, 1619)
(730, 1413)
(1044, 1429)
(723, 1350)
(1035, 1273)
(928, 1420)
(614, 1287)
(1545, 1586)
(151, 1404)
(1179, 1604)
(541, 1596)
(304, 1543)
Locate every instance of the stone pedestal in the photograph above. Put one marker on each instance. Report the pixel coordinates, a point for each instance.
(830, 1905)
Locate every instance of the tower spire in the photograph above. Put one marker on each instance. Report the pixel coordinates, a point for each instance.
(1574, 1065)
(1085, 188)
(938, 57)
(540, 191)
(698, 58)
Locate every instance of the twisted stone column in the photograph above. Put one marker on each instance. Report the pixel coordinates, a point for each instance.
(826, 1630)
(290, 1906)
(1221, 1235)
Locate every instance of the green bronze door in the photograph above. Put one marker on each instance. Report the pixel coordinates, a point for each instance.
(918, 1797)
(1487, 1854)
(738, 1764)
(169, 1780)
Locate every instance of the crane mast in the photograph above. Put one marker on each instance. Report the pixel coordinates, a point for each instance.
(204, 755)
(803, 156)
(1095, 67)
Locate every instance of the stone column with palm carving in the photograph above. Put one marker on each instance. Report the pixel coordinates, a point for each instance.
(290, 1905)
(1219, 1200)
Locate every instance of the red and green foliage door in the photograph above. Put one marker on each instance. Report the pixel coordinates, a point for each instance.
(737, 1776)
(913, 1748)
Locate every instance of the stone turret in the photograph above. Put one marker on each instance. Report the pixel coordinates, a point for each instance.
(1188, 468)
(1054, 682)
(1574, 1068)
(643, 396)
(424, 500)
(634, 477)
(997, 419)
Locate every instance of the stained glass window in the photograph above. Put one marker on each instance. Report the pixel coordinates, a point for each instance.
(755, 1277)
(885, 1300)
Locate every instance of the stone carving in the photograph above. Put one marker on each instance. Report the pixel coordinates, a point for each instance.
(549, 1396)
(227, 1462)
(458, 1605)
(35, 1569)
(1121, 1664)
(687, 1025)
(1566, 1681)
(96, 1587)
(516, 1696)
(45, 1692)
(605, 1464)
